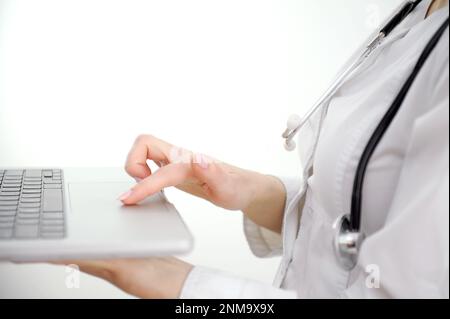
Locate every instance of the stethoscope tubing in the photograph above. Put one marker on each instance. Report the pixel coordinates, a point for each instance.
(349, 237)
(383, 126)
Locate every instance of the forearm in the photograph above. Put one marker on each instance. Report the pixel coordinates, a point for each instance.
(268, 201)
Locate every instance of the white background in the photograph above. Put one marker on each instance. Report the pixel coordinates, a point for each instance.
(80, 79)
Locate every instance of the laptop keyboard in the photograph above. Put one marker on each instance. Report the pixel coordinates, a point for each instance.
(31, 204)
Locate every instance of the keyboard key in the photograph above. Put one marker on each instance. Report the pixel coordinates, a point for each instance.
(32, 186)
(52, 186)
(22, 215)
(9, 198)
(14, 173)
(52, 181)
(29, 200)
(11, 185)
(32, 179)
(27, 221)
(47, 174)
(28, 183)
(26, 231)
(37, 195)
(2, 193)
(7, 213)
(12, 178)
(7, 208)
(29, 205)
(29, 210)
(7, 219)
(33, 173)
(53, 200)
(8, 225)
(31, 191)
(8, 202)
(55, 215)
(10, 190)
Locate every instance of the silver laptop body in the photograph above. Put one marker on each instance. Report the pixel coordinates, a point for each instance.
(66, 214)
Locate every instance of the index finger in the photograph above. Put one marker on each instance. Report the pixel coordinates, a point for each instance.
(167, 176)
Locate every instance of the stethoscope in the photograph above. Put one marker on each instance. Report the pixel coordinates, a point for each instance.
(348, 237)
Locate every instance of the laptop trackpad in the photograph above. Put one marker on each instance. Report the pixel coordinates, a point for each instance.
(95, 213)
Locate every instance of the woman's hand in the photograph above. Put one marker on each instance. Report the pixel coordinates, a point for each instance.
(222, 184)
(153, 278)
(260, 197)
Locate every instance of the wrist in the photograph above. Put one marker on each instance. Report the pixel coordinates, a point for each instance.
(175, 276)
(171, 278)
(263, 189)
(253, 184)
(267, 202)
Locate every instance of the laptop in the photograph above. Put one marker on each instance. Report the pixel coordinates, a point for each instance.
(56, 214)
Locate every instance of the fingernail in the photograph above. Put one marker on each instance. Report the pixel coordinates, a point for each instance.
(203, 162)
(197, 158)
(138, 180)
(124, 196)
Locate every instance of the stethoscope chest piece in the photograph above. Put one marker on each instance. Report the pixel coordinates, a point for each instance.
(346, 242)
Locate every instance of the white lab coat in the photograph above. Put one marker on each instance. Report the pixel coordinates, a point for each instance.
(405, 212)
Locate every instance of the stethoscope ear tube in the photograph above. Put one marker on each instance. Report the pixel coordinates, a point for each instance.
(295, 123)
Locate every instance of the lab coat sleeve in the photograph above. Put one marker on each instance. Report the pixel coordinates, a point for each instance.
(409, 257)
(205, 283)
(263, 242)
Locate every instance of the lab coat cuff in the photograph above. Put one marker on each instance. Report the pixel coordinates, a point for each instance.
(292, 186)
(206, 283)
(263, 242)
